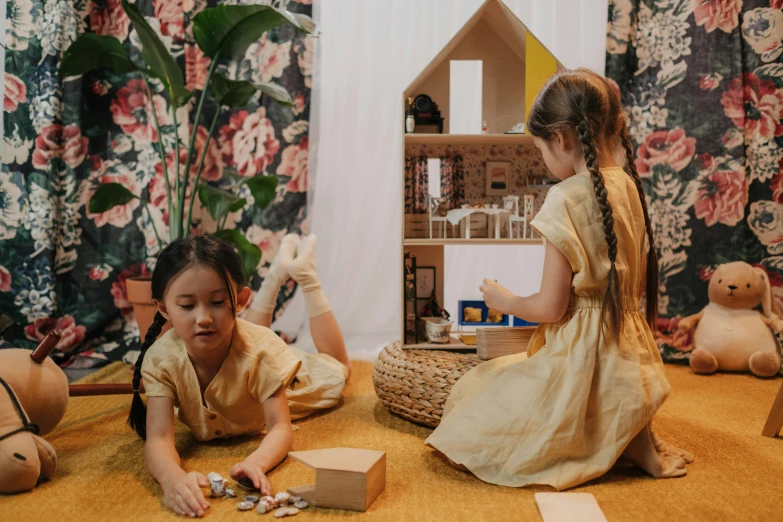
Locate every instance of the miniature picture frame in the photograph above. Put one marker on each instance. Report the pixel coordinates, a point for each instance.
(498, 181)
(425, 281)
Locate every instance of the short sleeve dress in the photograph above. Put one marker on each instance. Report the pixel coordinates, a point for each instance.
(257, 365)
(563, 415)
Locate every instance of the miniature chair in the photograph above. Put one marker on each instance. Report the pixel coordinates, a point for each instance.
(527, 214)
(436, 212)
(511, 203)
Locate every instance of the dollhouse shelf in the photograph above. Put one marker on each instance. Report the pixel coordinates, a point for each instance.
(470, 139)
(453, 344)
(477, 241)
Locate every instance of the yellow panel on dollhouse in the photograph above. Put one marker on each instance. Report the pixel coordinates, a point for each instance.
(515, 67)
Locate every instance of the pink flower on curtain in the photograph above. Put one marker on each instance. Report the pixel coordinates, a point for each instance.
(777, 186)
(717, 14)
(15, 92)
(665, 148)
(5, 279)
(294, 164)
(669, 333)
(131, 112)
(72, 334)
(754, 105)
(196, 66)
(107, 18)
(56, 141)
(416, 184)
(722, 193)
(248, 142)
(172, 18)
(119, 288)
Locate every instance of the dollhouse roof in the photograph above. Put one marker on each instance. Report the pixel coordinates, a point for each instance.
(502, 22)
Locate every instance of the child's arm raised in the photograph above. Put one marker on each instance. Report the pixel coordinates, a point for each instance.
(181, 491)
(549, 304)
(275, 446)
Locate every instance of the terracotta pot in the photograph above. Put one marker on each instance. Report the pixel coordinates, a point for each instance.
(139, 290)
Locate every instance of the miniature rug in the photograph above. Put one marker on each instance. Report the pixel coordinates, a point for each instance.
(737, 474)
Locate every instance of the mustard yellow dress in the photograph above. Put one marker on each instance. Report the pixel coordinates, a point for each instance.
(565, 414)
(257, 365)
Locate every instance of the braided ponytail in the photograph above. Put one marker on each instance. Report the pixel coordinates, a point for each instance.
(611, 310)
(137, 418)
(651, 289)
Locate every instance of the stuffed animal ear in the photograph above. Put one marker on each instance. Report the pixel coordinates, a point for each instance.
(766, 293)
(47, 456)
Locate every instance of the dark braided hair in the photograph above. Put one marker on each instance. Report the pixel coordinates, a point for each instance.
(581, 101)
(651, 290)
(183, 253)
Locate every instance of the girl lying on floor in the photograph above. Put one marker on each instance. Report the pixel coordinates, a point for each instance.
(587, 395)
(227, 376)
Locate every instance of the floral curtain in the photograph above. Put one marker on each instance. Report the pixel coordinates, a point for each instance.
(452, 181)
(702, 85)
(64, 267)
(416, 185)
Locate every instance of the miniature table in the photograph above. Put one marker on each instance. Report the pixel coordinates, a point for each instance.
(458, 214)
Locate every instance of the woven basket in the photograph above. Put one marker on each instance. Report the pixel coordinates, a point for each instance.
(415, 384)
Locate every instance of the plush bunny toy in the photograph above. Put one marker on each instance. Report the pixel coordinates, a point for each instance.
(731, 335)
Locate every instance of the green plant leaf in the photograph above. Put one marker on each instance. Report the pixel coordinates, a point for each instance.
(232, 93)
(108, 196)
(219, 202)
(228, 30)
(92, 51)
(263, 189)
(160, 62)
(249, 253)
(276, 92)
(305, 22)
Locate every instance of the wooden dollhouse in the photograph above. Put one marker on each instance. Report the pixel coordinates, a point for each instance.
(514, 67)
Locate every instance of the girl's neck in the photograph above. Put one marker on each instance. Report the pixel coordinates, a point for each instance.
(605, 161)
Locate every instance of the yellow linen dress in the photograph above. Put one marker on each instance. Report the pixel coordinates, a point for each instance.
(565, 414)
(257, 365)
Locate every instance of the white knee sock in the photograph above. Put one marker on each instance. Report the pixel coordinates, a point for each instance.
(266, 298)
(303, 270)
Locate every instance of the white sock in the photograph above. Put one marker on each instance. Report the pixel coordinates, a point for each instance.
(266, 298)
(304, 272)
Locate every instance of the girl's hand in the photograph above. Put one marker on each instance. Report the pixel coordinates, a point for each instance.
(496, 296)
(183, 494)
(250, 470)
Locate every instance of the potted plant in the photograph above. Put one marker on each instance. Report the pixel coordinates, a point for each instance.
(222, 33)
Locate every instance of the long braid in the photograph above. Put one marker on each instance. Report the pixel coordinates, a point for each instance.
(137, 418)
(611, 311)
(651, 289)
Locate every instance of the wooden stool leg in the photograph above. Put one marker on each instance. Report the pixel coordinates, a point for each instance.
(775, 419)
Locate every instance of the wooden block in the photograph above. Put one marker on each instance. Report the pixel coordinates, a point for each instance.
(567, 507)
(499, 342)
(345, 478)
(775, 419)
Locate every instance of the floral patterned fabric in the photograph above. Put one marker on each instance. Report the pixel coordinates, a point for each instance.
(702, 85)
(416, 184)
(64, 267)
(452, 181)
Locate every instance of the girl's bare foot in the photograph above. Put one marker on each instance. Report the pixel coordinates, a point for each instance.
(664, 447)
(642, 452)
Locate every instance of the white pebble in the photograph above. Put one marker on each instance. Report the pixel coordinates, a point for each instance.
(280, 513)
(251, 498)
(295, 499)
(283, 497)
(292, 511)
(245, 506)
(214, 476)
(301, 504)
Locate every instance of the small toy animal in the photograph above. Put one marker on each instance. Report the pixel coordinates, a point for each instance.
(33, 399)
(731, 335)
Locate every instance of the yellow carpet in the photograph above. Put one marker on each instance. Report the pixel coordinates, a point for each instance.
(737, 475)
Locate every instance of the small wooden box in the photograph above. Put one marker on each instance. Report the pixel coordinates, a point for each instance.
(499, 342)
(345, 478)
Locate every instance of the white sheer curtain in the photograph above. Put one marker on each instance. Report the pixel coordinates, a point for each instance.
(368, 52)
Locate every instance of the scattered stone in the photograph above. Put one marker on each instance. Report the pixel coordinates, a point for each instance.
(251, 498)
(282, 512)
(246, 484)
(245, 506)
(292, 511)
(283, 497)
(301, 504)
(295, 499)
